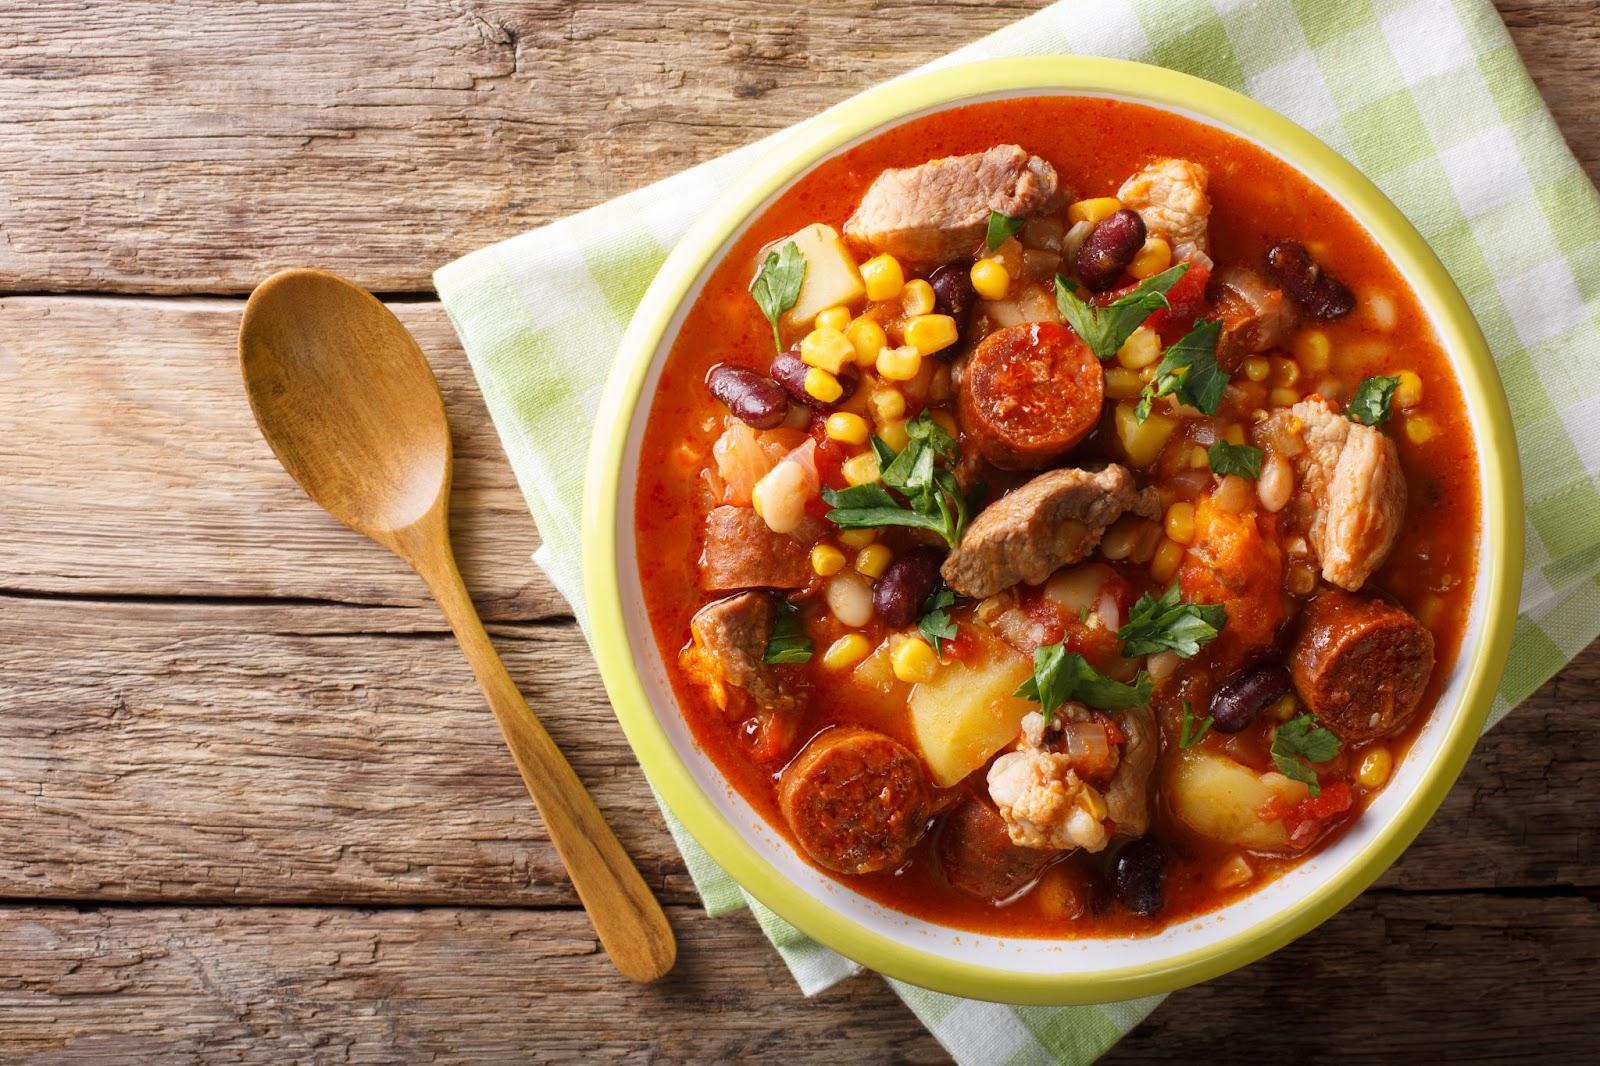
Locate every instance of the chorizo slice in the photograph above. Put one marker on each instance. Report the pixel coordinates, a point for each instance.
(857, 801)
(977, 855)
(1029, 393)
(742, 552)
(1360, 663)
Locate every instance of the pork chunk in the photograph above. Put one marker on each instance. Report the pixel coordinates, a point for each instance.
(725, 656)
(939, 211)
(1055, 519)
(1170, 195)
(1351, 483)
(742, 552)
(1128, 794)
(1255, 315)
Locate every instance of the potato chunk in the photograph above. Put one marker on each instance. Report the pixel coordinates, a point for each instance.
(831, 277)
(967, 712)
(1222, 800)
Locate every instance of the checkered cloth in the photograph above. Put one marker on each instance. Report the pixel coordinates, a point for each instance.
(1428, 97)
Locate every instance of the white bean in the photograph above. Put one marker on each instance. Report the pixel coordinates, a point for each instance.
(849, 597)
(1276, 484)
(780, 497)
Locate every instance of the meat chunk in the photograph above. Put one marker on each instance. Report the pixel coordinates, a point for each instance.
(939, 211)
(1170, 195)
(1044, 803)
(725, 656)
(1350, 482)
(742, 552)
(1255, 316)
(1055, 519)
(978, 857)
(1128, 793)
(1360, 663)
(856, 801)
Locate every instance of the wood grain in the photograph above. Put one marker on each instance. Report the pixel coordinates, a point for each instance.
(155, 147)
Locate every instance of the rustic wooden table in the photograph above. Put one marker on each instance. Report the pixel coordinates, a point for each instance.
(251, 805)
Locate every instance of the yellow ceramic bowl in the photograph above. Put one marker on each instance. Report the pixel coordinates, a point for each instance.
(1017, 969)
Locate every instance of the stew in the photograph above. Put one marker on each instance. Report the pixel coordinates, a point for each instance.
(1058, 517)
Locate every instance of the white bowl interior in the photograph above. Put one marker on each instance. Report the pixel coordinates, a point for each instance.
(1027, 955)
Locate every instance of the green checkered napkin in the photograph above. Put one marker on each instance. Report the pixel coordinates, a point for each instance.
(1427, 97)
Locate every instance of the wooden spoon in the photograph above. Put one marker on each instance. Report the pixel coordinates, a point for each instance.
(348, 402)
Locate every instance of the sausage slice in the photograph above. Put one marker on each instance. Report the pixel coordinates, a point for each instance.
(1360, 663)
(978, 857)
(1028, 393)
(855, 800)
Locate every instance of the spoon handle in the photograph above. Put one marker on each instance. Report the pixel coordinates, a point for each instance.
(629, 921)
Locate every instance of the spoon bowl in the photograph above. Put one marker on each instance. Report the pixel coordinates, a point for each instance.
(348, 403)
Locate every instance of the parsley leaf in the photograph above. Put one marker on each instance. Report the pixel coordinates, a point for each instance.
(933, 499)
(1240, 459)
(1001, 228)
(1370, 403)
(1060, 675)
(1188, 369)
(1189, 735)
(935, 622)
(777, 284)
(1169, 624)
(789, 642)
(1302, 738)
(1104, 329)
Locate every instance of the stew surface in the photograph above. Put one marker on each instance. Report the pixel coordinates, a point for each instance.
(1058, 517)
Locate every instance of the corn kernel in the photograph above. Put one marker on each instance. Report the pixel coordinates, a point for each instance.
(1284, 709)
(931, 333)
(1281, 397)
(1165, 563)
(894, 434)
(1180, 522)
(888, 405)
(826, 560)
(1420, 429)
(913, 661)
(1094, 803)
(845, 652)
(822, 385)
(858, 538)
(1256, 368)
(846, 428)
(1409, 392)
(1142, 348)
(827, 349)
(860, 469)
(883, 277)
(1094, 210)
(991, 279)
(1233, 433)
(1285, 372)
(1122, 383)
(1312, 348)
(833, 318)
(1375, 768)
(917, 297)
(867, 338)
(1234, 872)
(1199, 458)
(899, 364)
(1152, 259)
(873, 560)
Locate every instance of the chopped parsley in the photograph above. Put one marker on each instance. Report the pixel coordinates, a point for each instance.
(1060, 675)
(1001, 229)
(1104, 329)
(1193, 729)
(1188, 370)
(777, 285)
(1302, 738)
(933, 499)
(1169, 624)
(1240, 459)
(1370, 404)
(935, 623)
(789, 642)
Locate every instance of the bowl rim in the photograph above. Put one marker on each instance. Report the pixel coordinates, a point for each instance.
(793, 153)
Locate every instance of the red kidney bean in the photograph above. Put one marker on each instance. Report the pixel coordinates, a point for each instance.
(952, 290)
(788, 370)
(1249, 692)
(1318, 292)
(754, 400)
(1109, 249)
(899, 594)
(1137, 876)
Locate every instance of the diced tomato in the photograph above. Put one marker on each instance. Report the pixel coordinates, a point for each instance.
(1306, 820)
(830, 459)
(1186, 299)
(961, 646)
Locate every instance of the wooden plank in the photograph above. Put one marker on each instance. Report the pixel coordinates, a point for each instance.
(307, 753)
(197, 147)
(332, 985)
(130, 465)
